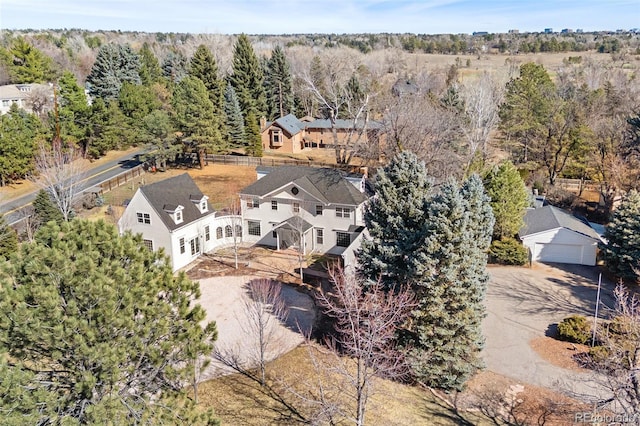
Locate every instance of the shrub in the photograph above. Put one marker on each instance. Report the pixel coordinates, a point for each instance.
(574, 328)
(598, 354)
(508, 251)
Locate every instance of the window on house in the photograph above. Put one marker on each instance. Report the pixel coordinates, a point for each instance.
(195, 246)
(343, 212)
(203, 206)
(253, 203)
(238, 231)
(144, 218)
(343, 239)
(296, 207)
(148, 244)
(178, 216)
(320, 236)
(228, 231)
(5, 102)
(219, 232)
(274, 205)
(319, 210)
(274, 234)
(276, 137)
(207, 234)
(182, 248)
(254, 228)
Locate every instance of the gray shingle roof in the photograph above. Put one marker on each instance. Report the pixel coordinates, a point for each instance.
(325, 184)
(341, 124)
(548, 217)
(295, 223)
(169, 193)
(289, 123)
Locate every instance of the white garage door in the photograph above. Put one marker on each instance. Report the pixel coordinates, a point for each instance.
(559, 253)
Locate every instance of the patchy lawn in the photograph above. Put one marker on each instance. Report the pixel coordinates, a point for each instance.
(220, 182)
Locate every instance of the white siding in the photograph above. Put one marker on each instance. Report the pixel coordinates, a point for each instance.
(562, 246)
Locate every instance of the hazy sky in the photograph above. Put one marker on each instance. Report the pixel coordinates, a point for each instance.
(320, 16)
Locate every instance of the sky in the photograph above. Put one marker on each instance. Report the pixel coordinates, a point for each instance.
(320, 16)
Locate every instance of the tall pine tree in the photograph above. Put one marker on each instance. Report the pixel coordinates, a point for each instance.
(150, 71)
(278, 85)
(509, 199)
(114, 65)
(444, 333)
(247, 79)
(203, 66)
(392, 218)
(254, 140)
(97, 330)
(194, 117)
(234, 119)
(622, 251)
(8, 239)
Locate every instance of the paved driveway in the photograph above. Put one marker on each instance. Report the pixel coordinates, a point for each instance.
(223, 299)
(523, 304)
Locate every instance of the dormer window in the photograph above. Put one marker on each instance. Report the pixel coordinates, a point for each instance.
(201, 202)
(175, 212)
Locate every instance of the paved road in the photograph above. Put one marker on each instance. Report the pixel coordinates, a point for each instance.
(95, 176)
(523, 304)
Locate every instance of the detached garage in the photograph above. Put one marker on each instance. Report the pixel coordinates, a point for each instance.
(553, 235)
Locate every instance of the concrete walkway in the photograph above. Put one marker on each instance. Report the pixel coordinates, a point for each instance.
(523, 304)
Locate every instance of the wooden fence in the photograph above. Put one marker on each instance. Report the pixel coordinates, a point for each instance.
(121, 179)
(238, 160)
(576, 184)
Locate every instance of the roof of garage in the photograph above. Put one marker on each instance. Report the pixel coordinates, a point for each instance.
(548, 218)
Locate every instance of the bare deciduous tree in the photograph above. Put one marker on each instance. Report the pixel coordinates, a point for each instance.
(60, 171)
(262, 312)
(418, 124)
(482, 98)
(333, 88)
(619, 366)
(360, 350)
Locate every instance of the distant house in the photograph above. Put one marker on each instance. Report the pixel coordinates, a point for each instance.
(290, 135)
(317, 209)
(33, 97)
(553, 235)
(175, 215)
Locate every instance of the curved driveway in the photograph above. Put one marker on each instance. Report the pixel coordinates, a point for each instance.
(522, 304)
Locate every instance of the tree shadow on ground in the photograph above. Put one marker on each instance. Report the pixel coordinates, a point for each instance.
(551, 289)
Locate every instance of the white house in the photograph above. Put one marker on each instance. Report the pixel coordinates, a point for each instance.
(553, 235)
(27, 96)
(318, 209)
(175, 215)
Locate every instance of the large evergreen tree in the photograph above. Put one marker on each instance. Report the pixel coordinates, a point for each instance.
(278, 85)
(73, 112)
(114, 65)
(254, 139)
(444, 337)
(509, 199)
(18, 133)
(194, 116)
(247, 79)
(174, 66)
(203, 66)
(234, 119)
(8, 239)
(393, 218)
(96, 329)
(44, 208)
(25, 63)
(621, 253)
(150, 71)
